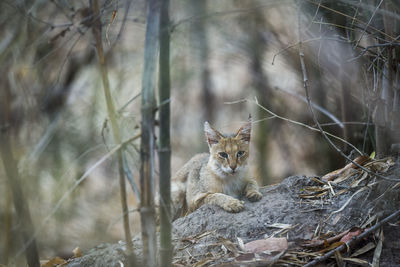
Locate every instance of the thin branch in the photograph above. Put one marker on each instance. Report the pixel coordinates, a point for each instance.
(368, 6)
(346, 123)
(307, 41)
(129, 176)
(119, 218)
(34, 18)
(366, 49)
(335, 25)
(355, 14)
(369, 22)
(128, 102)
(304, 125)
(351, 17)
(236, 101)
(51, 52)
(354, 240)
(122, 28)
(317, 107)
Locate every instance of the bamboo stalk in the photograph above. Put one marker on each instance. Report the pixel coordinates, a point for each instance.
(147, 210)
(164, 151)
(96, 27)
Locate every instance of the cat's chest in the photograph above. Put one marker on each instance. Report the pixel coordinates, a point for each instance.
(233, 187)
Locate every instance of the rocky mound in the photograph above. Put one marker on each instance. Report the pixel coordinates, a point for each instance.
(296, 221)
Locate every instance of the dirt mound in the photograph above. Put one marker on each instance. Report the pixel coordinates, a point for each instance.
(304, 211)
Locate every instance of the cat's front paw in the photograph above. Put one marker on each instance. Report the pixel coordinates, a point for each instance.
(233, 205)
(253, 196)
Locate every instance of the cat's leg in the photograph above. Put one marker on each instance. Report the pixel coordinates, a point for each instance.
(226, 202)
(251, 191)
(178, 199)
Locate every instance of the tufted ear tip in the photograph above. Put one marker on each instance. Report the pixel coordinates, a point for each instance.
(212, 135)
(245, 131)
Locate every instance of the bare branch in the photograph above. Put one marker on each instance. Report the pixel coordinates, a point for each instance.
(317, 107)
(304, 125)
(369, 22)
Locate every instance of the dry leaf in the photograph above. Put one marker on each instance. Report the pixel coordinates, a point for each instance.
(240, 243)
(77, 252)
(361, 160)
(331, 247)
(356, 182)
(202, 262)
(369, 221)
(339, 258)
(356, 261)
(363, 250)
(279, 225)
(54, 262)
(229, 246)
(195, 238)
(245, 257)
(266, 245)
(351, 234)
(378, 250)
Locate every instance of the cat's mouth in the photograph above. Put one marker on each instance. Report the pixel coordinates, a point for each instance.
(232, 172)
(229, 171)
(224, 172)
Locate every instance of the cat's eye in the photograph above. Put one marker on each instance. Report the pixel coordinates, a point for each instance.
(223, 155)
(240, 153)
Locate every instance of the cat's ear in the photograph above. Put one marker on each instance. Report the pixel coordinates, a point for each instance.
(213, 136)
(245, 131)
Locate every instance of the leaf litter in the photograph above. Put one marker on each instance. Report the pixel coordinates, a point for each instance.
(278, 251)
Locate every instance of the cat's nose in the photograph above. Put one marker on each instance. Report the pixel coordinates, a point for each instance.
(233, 168)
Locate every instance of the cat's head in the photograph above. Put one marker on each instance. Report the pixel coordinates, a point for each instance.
(228, 153)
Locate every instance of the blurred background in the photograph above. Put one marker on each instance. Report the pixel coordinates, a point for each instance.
(226, 56)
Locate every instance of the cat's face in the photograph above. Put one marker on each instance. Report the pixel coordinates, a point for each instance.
(229, 153)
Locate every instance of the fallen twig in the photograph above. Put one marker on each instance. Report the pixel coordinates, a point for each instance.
(317, 243)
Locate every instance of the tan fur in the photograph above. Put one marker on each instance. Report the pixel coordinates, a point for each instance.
(215, 178)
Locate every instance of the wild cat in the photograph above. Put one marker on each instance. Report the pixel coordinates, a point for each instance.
(220, 177)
